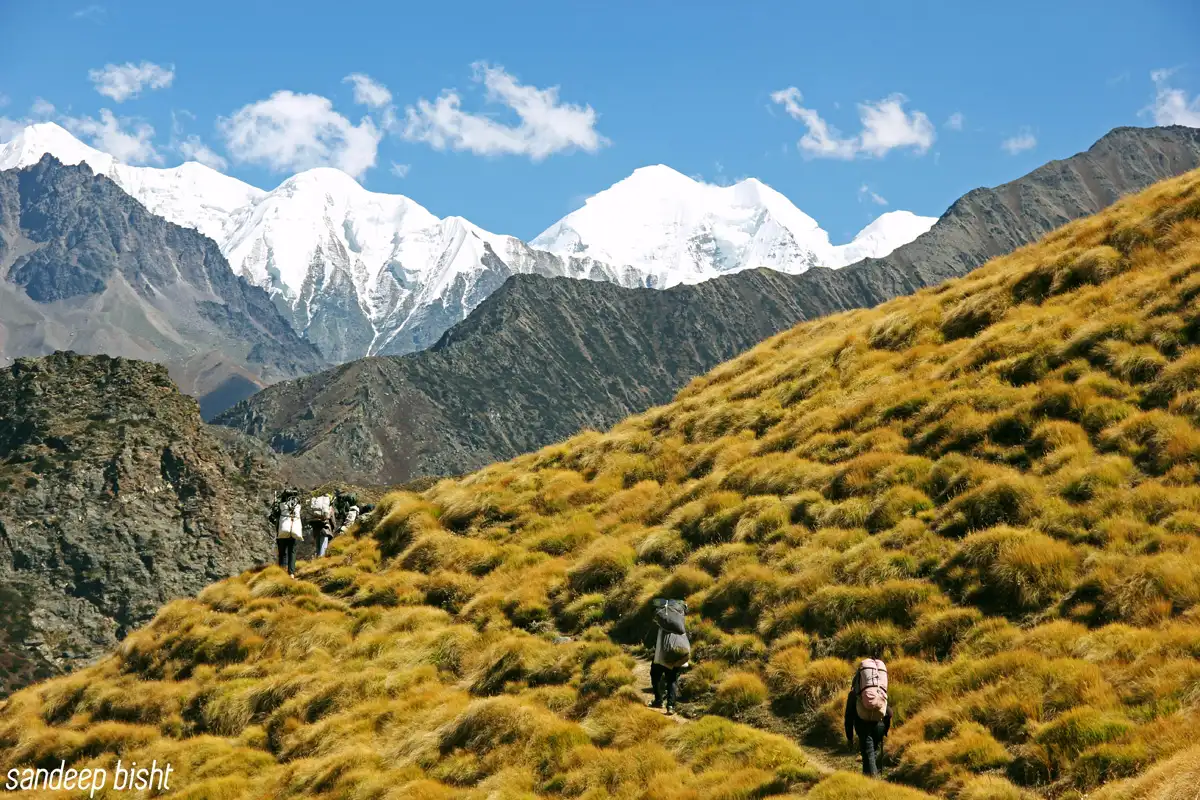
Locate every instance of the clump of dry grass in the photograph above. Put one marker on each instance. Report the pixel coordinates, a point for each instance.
(994, 484)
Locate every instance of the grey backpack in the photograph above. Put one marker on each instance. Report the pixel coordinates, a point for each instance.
(668, 616)
(676, 649)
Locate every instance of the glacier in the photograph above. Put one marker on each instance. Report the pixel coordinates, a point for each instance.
(367, 273)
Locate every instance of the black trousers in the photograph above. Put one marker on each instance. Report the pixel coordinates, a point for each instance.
(870, 744)
(287, 554)
(664, 680)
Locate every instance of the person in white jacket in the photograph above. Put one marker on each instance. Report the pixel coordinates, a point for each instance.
(289, 529)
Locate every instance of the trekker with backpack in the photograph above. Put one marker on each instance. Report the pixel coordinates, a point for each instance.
(868, 714)
(671, 652)
(289, 528)
(345, 510)
(321, 512)
(345, 507)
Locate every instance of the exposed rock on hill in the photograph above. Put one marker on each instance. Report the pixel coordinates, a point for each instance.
(114, 498)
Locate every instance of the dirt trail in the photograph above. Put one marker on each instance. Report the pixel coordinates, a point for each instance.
(825, 763)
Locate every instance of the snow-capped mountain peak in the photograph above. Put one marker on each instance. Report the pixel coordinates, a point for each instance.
(887, 232)
(680, 230)
(191, 194)
(34, 141)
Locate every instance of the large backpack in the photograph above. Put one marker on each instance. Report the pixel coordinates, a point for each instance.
(669, 617)
(277, 506)
(343, 503)
(871, 690)
(286, 520)
(321, 508)
(676, 648)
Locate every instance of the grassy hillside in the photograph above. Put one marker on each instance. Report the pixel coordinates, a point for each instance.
(993, 483)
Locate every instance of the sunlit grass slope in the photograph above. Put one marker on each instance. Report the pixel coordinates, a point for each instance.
(994, 484)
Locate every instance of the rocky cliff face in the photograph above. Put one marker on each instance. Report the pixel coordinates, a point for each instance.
(84, 266)
(114, 499)
(541, 359)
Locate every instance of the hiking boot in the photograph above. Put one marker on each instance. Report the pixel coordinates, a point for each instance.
(670, 711)
(656, 704)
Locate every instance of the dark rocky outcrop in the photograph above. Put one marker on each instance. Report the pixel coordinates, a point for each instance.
(84, 266)
(542, 358)
(114, 499)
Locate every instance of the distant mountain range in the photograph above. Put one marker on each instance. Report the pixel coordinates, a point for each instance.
(362, 273)
(540, 359)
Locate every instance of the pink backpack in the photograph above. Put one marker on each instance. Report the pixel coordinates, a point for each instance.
(870, 690)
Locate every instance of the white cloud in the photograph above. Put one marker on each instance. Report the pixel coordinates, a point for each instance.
(127, 140)
(955, 121)
(1172, 106)
(400, 170)
(123, 81)
(39, 112)
(547, 125)
(291, 132)
(93, 12)
(865, 193)
(41, 108)
(821, 140)
(193, 149)
(1025, 140)
(886, 126)
(10, 128)
(368, 92)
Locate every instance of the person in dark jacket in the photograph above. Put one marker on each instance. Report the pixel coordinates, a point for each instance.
(870, 735)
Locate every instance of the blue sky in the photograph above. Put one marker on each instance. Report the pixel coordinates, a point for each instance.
(718, 90)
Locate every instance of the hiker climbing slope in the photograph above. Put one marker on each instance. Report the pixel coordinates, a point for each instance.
(868, 714)
(320, 510)
(289, 528)
(671, 652)
(345, 507)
